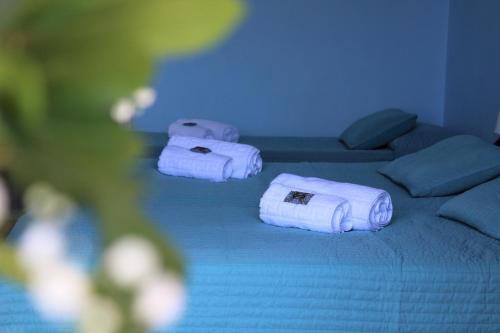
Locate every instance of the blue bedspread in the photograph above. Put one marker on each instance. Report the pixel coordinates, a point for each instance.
(422, 273)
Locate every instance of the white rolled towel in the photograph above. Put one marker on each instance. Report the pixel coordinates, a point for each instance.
(218, 130)
(371, 208)
(222, 131)
(197, 163)
(246, 159)
(189, 128)
(290, 207)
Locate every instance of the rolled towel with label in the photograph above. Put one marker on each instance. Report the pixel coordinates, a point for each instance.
(190, 128)
(371, 208)
(246, 159)
(198, 162)
(290, 207)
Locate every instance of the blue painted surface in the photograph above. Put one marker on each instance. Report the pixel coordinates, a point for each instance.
(312, 67)
(473, 73)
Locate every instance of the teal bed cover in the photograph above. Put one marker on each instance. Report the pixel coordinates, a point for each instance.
(422, 273)
(290, 149)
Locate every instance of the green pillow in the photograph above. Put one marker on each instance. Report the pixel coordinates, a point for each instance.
(378, 129)
(478, 207)
(448, 167)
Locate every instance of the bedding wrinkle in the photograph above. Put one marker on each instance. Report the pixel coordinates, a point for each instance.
(397, 271)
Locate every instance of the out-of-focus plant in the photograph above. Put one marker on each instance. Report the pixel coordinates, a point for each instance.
(64, 66)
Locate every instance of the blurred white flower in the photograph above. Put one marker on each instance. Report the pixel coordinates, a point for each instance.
(131, 259)
(160, 301)
(60, 291)
(4, 201)
(42, 244)
(100, 315)
(44, 202)
(123, 111)
(144, 97)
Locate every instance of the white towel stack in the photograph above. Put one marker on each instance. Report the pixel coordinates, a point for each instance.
(197, 163)
(290, 207)
(204, 129)
(246, 159)
(371, 208)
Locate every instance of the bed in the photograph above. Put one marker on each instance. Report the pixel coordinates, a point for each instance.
(422, 273)
(290, 149)
(324, 149)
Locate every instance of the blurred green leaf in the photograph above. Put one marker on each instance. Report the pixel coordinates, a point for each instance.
(101, 50)
(156, 27)
(63, 64)
(8, 264)
(7, 7)
(99, 159)
(22, 89)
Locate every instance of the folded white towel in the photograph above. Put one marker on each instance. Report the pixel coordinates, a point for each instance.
(217, 130)
(246, 159)
(189, 128)
(371, 208)
(196, 163)
(290, 207)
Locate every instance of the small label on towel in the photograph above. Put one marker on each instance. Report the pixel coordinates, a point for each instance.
(298, 198)
(189, 124)
(200, 150)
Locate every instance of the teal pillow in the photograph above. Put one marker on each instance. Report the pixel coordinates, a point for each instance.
(378, 129)
(448, 167)
(422, 136)
(478, 207)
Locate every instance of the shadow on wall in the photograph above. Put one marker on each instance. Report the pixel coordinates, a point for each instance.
(310, 68)
(473, 73)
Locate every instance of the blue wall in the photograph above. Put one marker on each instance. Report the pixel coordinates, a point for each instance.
(311, 67)
(473, 73)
